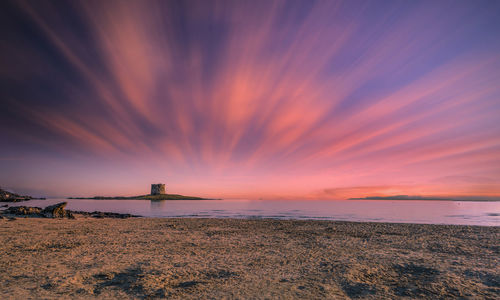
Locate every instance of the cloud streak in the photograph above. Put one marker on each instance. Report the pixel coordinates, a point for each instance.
(351, 93)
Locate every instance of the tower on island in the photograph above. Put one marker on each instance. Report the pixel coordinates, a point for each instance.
(158, 189)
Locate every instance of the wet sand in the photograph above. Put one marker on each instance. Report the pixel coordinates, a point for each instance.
(227, 258)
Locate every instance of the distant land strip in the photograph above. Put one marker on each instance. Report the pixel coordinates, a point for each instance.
(408, 197)
(144, 197)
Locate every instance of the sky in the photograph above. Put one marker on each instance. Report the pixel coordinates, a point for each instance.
(250, 99)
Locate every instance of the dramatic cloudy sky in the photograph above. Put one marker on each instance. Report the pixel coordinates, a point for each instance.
(271, 99)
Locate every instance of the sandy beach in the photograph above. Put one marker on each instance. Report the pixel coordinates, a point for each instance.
(228, 258)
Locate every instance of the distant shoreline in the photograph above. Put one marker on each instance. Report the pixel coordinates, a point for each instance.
(425, 199)
(143, 197)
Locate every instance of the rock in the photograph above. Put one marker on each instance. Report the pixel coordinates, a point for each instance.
(11, 197)
(22, 210)
(102, 215)
(57, 211)
(112, 215)
(52, 211)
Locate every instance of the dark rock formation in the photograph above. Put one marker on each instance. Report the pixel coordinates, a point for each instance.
(52, 211)
(100, 215)
(11, 197)
(22, 210)
(57, 211)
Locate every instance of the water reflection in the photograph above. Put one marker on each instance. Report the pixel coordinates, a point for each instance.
(408, 211)
(157, 204)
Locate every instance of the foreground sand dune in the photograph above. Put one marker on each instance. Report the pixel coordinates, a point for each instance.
(226, 258)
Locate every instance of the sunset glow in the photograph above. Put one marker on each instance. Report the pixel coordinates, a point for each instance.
(251, 99)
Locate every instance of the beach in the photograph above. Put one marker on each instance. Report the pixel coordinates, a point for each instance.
(186, 258)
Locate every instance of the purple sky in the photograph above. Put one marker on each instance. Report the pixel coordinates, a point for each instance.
(271, 99)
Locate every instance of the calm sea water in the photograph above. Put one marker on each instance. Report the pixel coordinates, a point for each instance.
(408, 211)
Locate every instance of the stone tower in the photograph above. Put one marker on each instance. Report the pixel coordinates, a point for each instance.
(158, 189)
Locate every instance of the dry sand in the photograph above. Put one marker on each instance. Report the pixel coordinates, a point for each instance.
(226, 258)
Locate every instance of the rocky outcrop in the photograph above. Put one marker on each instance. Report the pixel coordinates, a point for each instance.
(58, 211)
(11, 197)
(101, 215)
(52, 211)
(22, 210)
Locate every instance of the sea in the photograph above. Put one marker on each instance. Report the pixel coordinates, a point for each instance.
(393, 211)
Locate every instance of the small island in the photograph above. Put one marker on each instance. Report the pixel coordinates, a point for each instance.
(157, 193)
